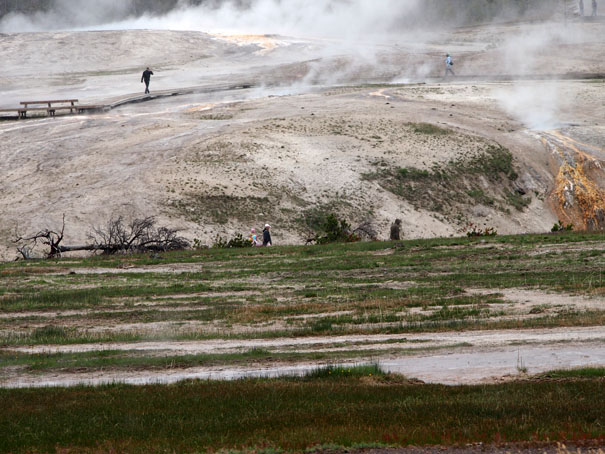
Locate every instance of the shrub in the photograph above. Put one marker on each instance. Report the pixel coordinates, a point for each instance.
(559, 227)
(336, 230)
(473, 230)
(236, 242)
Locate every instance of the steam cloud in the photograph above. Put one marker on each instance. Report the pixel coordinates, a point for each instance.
(327, 18)
(349, 22)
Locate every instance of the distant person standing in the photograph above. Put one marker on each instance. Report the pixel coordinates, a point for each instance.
(267, 236)
(581, 8)
(396, 230)
(594, 8)
(147, 78)
(448, 65)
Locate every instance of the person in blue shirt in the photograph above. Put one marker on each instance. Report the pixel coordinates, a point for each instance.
(448, 65)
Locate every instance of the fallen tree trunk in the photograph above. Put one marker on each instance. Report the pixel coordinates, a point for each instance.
(118, 236)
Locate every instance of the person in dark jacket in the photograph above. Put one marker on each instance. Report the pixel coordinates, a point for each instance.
(147, 78)
(396, 230)
(594, 8)
(267, 236)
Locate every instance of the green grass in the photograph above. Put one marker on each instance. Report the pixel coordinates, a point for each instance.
(429, 129)
(598, 372)
(366, 283)
(425, 188)
(362, 288)
(348, 409)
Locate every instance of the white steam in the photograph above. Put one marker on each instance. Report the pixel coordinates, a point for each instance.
(66, 14)
(355, 39)
(325, 18)
(539, 104)
(536, 104)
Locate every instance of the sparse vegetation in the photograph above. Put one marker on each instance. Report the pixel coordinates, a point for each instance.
(372, 287)
(238, 241)
(197, 206)
(473, 230)
(560, 227)
(359, 288)
(340, 408)
(429, 129)
(484, 178)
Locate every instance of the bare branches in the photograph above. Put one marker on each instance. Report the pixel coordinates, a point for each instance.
(136, 235)
(366, 229)
(116, 236)
(47, 237)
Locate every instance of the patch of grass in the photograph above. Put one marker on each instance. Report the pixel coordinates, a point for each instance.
(517, 201)
(214, 117)
(338, 372)
(429, 129)
(480, 196)
(445, 188)
(50, 334)
(295, 414)
(366, 287)
(598, 372)
(199, 207)
(413, 173)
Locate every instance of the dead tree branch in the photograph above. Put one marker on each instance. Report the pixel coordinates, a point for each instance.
(117, 236)
(47, 237)
(366, 229)
(137, 235)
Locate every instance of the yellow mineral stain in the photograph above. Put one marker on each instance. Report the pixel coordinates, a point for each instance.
(267, 43)
(200, 108)
(574, 182)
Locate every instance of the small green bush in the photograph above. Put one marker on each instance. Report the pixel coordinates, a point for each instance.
(237, 242)
(335, 230)
(560, 227)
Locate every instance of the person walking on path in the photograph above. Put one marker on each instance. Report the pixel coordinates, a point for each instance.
(448, 65)
(581, 8)
(594, 8)
(146, 78)
(267, 236)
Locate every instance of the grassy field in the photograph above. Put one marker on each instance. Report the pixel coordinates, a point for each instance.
(363, 288)
(347, 408)
(438, 286)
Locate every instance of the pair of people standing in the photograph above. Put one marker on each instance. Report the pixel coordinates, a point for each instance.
(266, 237)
